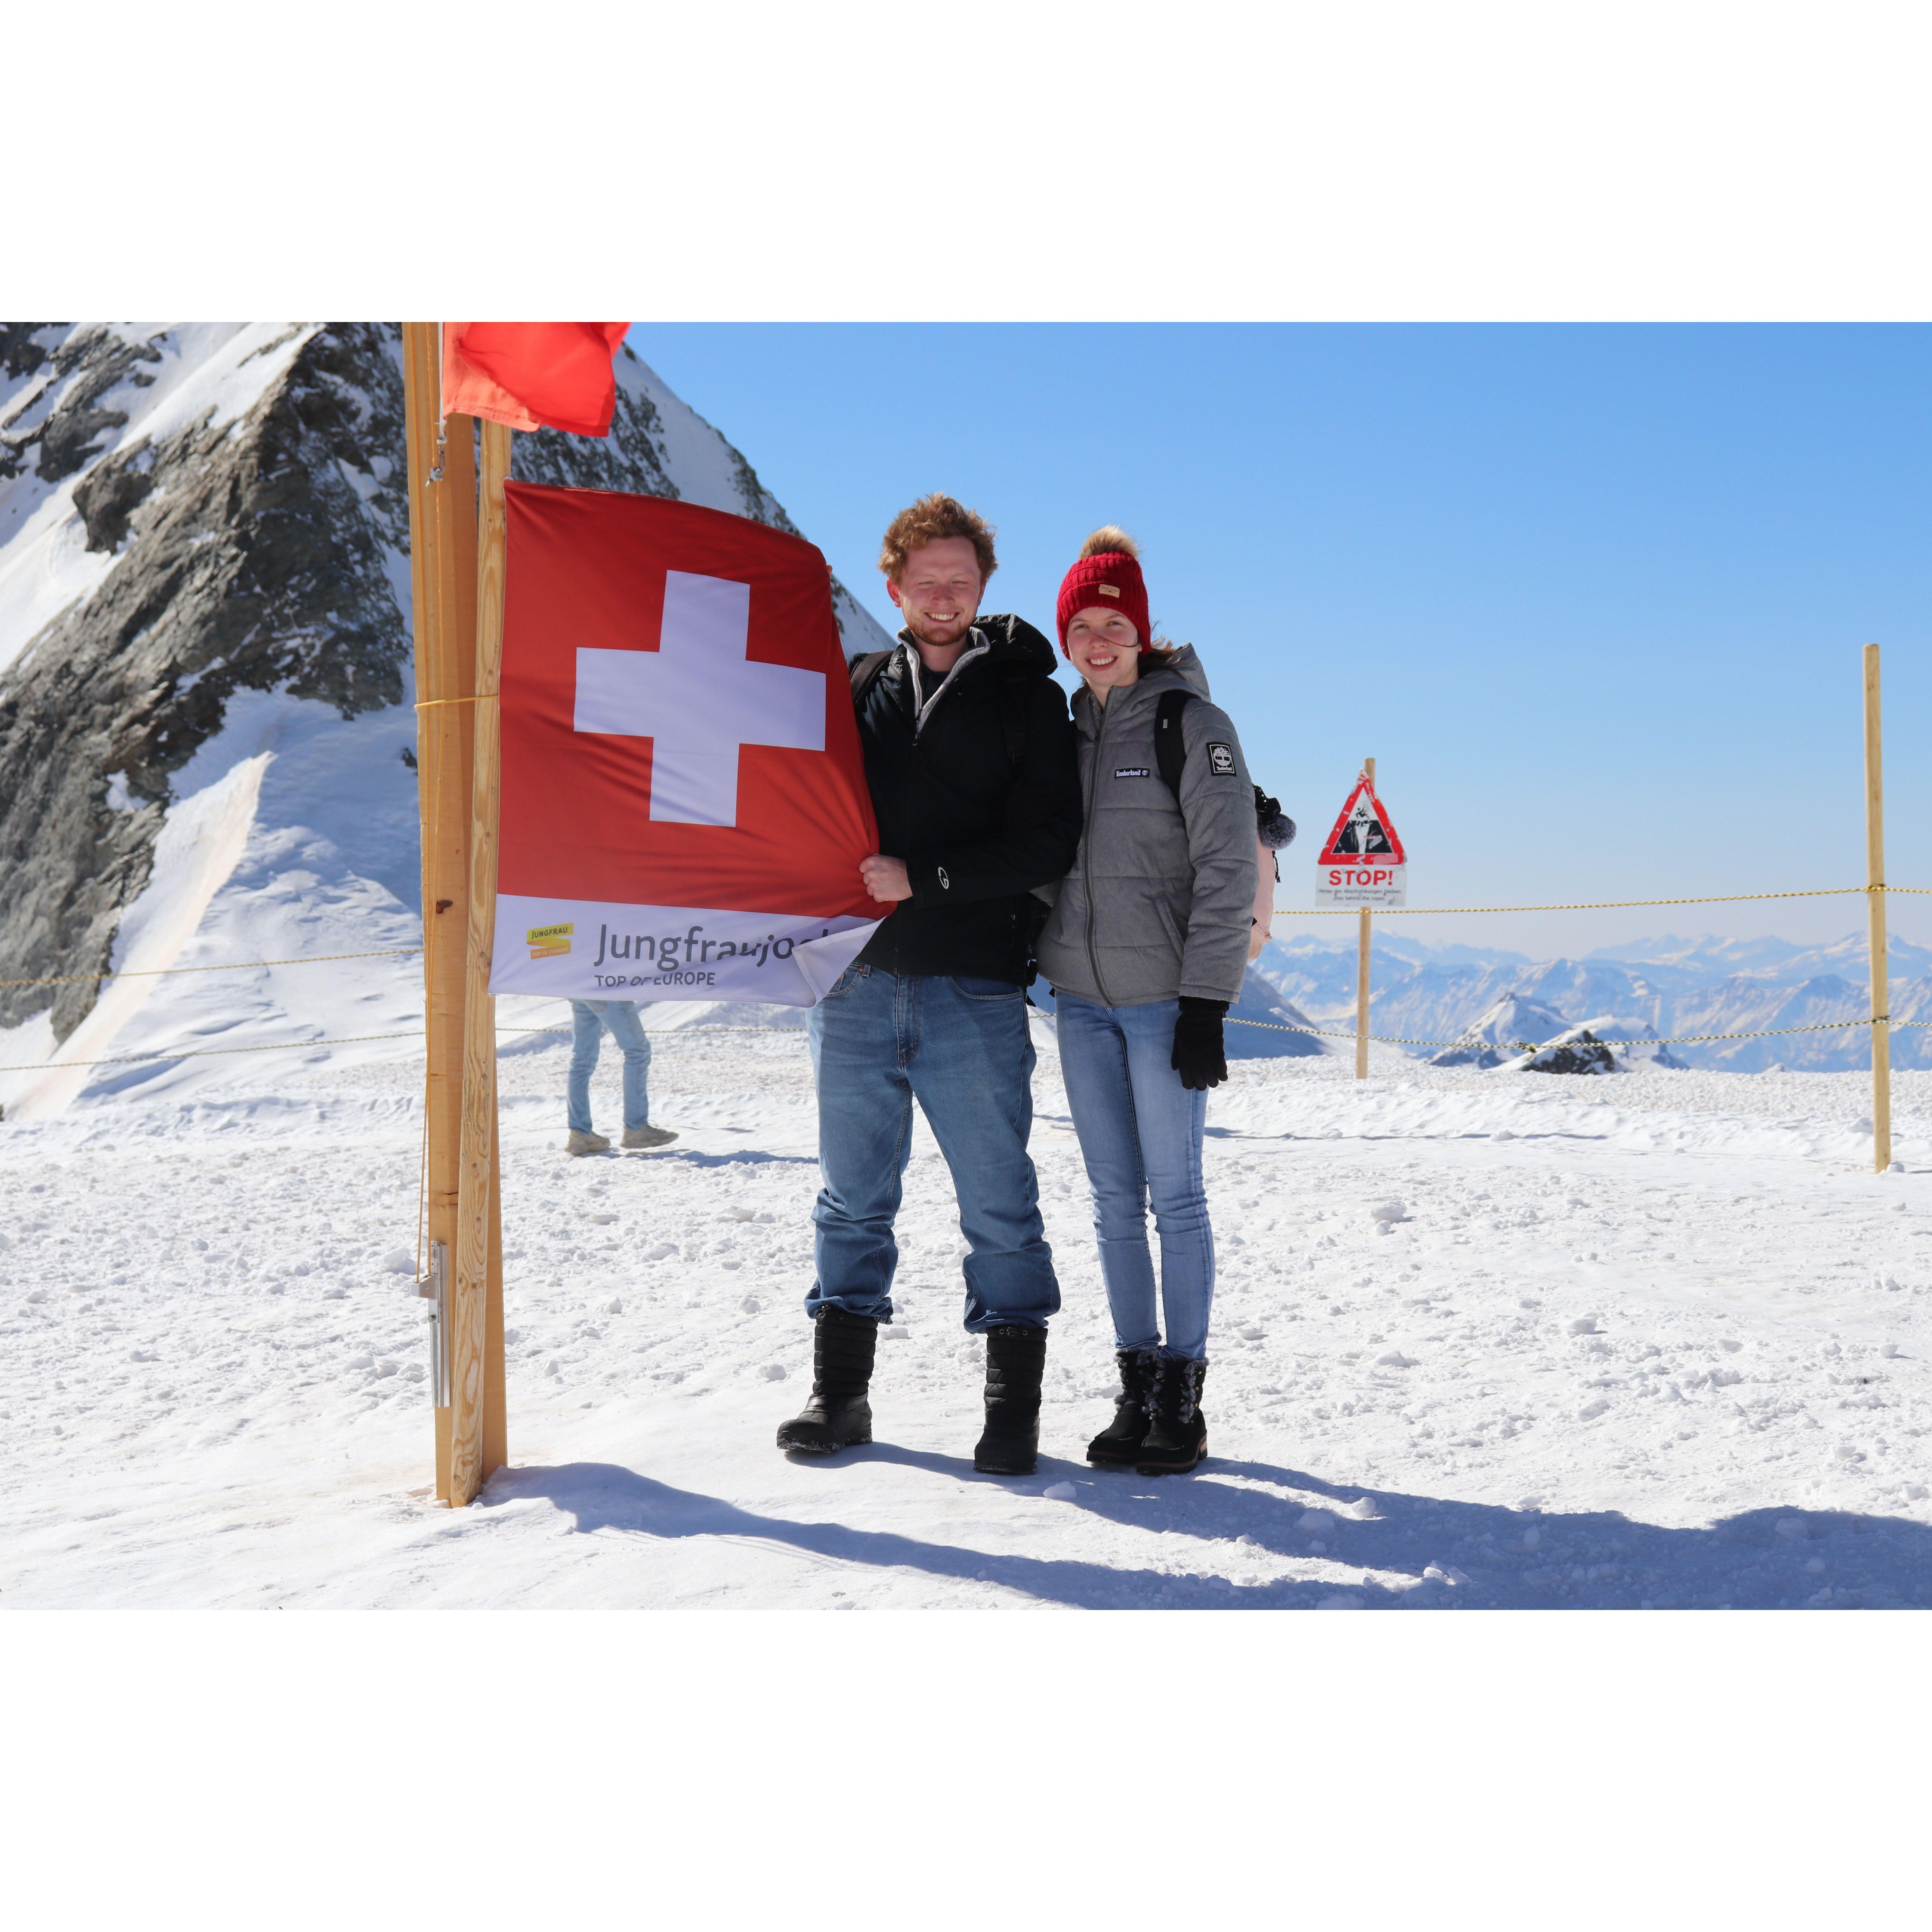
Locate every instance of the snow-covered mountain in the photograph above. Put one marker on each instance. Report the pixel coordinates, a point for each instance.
(1501, 1032)
(1634, 1044)
(1264, 1024)
(1750, 987)
(205, 741)
(1775, 960)
(1261, 1008)
(1602, 1046)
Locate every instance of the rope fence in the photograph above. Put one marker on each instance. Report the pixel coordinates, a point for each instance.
(682, 1032)
(1280, 912)
(1587, 905)
(1287, 912)
(1681, 1039)
(233, 966)
(353, 1039)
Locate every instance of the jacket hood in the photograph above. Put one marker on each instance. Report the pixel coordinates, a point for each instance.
(1012, 638)
(1186, 669)
(1184, 674)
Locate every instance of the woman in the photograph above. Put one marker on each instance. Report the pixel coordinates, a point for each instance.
(1145, 949)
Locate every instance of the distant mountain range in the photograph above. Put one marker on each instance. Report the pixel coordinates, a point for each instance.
(1669, 987)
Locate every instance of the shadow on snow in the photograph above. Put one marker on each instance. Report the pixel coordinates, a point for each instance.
(1766, 1558)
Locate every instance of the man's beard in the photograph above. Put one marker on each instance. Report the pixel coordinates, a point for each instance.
(922, 633)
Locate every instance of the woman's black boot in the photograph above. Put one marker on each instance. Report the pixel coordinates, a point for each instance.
(838, 1415)
(1119, 1442)
(1015, 1358)
(1176, 1439)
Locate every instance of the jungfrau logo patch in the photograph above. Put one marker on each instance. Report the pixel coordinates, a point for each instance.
(548, 942)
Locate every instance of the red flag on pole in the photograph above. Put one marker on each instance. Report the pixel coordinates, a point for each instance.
(533, 375)
(684, 804)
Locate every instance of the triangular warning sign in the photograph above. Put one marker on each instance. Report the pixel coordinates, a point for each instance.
(1364, 834)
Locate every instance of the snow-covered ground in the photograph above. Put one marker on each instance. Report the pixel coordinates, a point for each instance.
(1654, 1339)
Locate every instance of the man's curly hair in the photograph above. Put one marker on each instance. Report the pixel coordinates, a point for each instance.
(932, 520)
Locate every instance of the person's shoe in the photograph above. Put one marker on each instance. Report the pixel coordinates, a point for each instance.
(1015, 1358)
(838, 1413)
(649, 1137)
(1177, 1437)
(1120, 1442)
(586, 1143)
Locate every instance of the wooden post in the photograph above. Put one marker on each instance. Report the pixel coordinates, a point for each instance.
(478, 1209)
(1362, 968)
(1881, 997)
(442, 573)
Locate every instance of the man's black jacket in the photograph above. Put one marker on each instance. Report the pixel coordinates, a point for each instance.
(977, 833)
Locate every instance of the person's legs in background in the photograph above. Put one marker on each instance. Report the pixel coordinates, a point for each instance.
(625, 1024)
(586, 1034)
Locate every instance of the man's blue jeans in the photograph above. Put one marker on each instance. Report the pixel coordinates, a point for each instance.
(1140, 1133)
(960, 1047)
(589, 1020)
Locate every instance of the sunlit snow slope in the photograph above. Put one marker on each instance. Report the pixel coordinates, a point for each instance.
(205, 683)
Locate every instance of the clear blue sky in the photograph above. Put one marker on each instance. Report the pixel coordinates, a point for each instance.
(1592, 596)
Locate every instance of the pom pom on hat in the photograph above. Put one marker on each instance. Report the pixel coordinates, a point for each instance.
(1107, 577)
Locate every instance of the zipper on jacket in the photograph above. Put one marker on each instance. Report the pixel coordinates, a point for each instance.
(1087, 852)
(923, 707)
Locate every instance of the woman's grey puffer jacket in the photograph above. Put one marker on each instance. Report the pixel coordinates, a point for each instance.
(1160, 901)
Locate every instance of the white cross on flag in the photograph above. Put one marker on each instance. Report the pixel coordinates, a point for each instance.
(701, 698)
(684, 805)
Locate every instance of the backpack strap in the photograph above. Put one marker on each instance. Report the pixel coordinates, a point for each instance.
(865, 671)
(1170, 747)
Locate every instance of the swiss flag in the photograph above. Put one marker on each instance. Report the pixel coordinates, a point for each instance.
(677, 724)
(533, 375)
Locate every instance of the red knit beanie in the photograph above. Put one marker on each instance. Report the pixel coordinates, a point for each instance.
(1109, 580)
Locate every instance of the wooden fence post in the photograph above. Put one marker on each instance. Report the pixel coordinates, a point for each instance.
(442, 574)
(1362, 944)
(1881, 998)
(478, 1209)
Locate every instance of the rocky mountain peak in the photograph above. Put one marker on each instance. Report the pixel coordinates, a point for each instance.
(191, 513)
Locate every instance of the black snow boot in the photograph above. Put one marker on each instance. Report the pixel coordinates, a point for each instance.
(838, 1415)
(1119, 1442)
(1176, 1439)
(1014, 1358)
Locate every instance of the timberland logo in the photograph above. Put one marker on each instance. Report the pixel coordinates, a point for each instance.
(548, 942)
(1221, 761)
(1134, 772)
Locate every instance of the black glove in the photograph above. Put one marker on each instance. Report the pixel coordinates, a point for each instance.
(1199, 1057)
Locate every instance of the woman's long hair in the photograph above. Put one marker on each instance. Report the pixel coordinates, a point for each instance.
(1110, 539)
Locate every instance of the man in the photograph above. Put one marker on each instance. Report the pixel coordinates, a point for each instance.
(970, 757)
